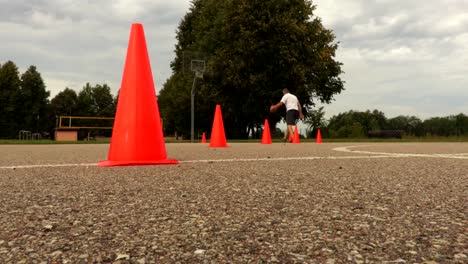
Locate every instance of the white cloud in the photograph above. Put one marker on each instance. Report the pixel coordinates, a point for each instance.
(74, 42)
(401, 57)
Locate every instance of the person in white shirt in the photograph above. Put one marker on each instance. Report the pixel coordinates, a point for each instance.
(293, 112)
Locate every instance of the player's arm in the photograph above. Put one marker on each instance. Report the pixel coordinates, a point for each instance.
(275, 107)
(301, 116)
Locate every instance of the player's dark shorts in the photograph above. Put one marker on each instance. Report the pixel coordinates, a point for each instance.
(292, 116)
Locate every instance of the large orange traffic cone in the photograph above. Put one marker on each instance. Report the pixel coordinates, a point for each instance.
(218, 138)
(266, 136)
(296, 139)
(137, 136)
(319, 137)
(203, 138)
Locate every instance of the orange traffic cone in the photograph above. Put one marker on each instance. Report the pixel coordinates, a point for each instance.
(137, 136)
(296, 139)
(218, 138)
(266, 137)
(203, 138)
(319, 137)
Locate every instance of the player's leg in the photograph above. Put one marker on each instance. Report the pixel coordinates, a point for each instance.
(295, 119)
(291, 133)
(289, 123)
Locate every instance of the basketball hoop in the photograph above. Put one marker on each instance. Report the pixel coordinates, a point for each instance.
(198, 67)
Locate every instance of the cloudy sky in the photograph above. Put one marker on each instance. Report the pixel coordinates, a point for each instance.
(401, 57)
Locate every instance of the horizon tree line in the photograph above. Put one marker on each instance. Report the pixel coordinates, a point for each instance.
(25, 104)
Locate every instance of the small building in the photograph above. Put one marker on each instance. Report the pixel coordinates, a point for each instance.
(66, 134)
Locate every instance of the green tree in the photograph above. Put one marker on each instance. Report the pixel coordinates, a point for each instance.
(357, 123)
(9, 95)
(174, 106)
(91, 101)
(410, 124)
(103, 101)
(315, 120)
(65, 102)
(85, 102)
(96, 101)
(461, 123)
(415, 127)
(255, 49)
(439, 126)
(34, 100)
(378, 121)
(398, 123)
(357, 131)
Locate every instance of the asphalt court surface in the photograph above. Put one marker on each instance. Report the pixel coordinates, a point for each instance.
(88, 154)
(248, 203)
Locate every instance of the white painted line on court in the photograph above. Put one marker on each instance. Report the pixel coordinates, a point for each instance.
(290, 158)
(401, 155)
(200, 161)
(368, 155)
(47, 165)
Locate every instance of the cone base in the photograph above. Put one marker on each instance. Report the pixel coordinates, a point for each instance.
(110, 163)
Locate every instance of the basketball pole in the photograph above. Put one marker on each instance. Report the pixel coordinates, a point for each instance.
(192, 110)
(197, 67)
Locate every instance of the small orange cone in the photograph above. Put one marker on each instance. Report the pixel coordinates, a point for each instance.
(296, 139)
(218, 138)
(203, 138)
(266, 137)
(319, 137)
(137, 136)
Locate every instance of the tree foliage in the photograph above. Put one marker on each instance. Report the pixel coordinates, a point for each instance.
(9, 99)
(24, 104)
(65, 102)
(104, 104)
(357, 124)
(91, 101)
(412, 125)
(33, 105)
(255, 48)
(95, 101)
(315, 120)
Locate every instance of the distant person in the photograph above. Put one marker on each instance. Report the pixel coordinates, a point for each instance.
(293, 112)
